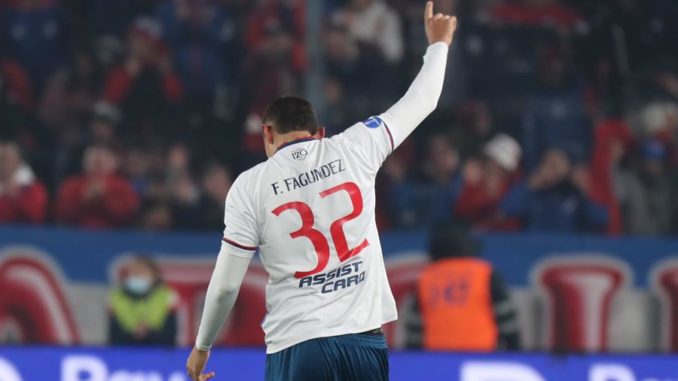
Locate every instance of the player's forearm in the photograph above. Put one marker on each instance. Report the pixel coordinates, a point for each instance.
(222, 293)
(422, 96)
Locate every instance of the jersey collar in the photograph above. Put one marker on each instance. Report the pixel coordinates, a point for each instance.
(297, 141)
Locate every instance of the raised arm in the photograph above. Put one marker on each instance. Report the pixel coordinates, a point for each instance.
(422, 96)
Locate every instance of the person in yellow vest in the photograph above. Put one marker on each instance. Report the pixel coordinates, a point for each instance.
(142, 310)
(461, 303)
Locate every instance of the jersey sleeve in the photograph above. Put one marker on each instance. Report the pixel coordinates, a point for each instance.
(374, 138)
(379, 135)
(241, 230)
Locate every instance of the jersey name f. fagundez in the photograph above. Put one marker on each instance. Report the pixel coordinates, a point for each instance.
(310, 210)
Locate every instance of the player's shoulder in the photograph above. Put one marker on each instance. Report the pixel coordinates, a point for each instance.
(365, 126)
(248, 178)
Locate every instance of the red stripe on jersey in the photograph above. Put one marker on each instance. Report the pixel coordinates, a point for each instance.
(390, 137)
(239, 246)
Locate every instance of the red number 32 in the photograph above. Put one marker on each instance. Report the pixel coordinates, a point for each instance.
(320, 244)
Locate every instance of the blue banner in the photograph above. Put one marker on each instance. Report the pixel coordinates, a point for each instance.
(135, 364)
(85, 256)
(608, 294)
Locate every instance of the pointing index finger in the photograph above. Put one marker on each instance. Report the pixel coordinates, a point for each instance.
(428, 12)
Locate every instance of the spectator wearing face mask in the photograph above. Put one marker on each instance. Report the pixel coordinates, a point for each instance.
(554, 198)
(142, 310)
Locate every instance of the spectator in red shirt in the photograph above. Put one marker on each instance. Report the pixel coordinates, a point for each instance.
(539, 13)
(147, 63)
(146, 88)
(485, 182)
(23, 198)
(99, 198)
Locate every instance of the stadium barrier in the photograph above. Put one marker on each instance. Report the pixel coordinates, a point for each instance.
(578, 293)
(136, 364)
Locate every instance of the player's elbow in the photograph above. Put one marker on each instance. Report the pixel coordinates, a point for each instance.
(228, 290)
(224, 292)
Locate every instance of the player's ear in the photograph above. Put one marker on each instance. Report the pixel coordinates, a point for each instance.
(267, 132)
(321, 133)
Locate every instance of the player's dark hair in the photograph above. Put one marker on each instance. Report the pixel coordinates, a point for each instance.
(152, 265)
(450, 240)
(290, 113)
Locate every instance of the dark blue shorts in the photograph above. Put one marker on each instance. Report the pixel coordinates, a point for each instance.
(338, 358)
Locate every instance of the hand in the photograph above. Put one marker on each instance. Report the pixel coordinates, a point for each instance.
(133, 65)
(141, 331)
(473, 172)
(196, 364)
(163, 60)
(95, 189)
(11, 187)
(439, 27)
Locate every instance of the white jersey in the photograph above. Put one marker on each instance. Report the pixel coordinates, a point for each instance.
(310, 210)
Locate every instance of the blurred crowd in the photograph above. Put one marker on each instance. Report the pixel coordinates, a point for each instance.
(556, 115)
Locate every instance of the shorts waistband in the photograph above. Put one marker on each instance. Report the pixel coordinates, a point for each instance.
(372, 340)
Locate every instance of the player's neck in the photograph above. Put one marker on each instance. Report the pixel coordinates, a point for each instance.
(290, 137)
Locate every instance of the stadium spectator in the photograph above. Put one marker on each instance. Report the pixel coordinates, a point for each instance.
(428, 196)
(537, 13)
(612, 141)
(72, 91)
(555, 116)
(276, 54)
(646, 193)
(360, 71)
(461, 304)
(15, 85)
(475, 126)
(142, 310)
(376, 26)
(274, 67)
(35, 33)
(98, 198)
(554, 198)
(200, 33)
(485, 181)
(108, 20)
(102, 121)
(156, 216)
(339, 111)
(145, 87)
(216, 182)
(16, 98)
(23, 198)
(141, 74)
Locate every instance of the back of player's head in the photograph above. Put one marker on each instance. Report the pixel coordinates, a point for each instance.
(449, 240)
(290, 113)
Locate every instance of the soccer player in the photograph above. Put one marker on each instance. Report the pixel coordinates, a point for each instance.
(309, 209)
